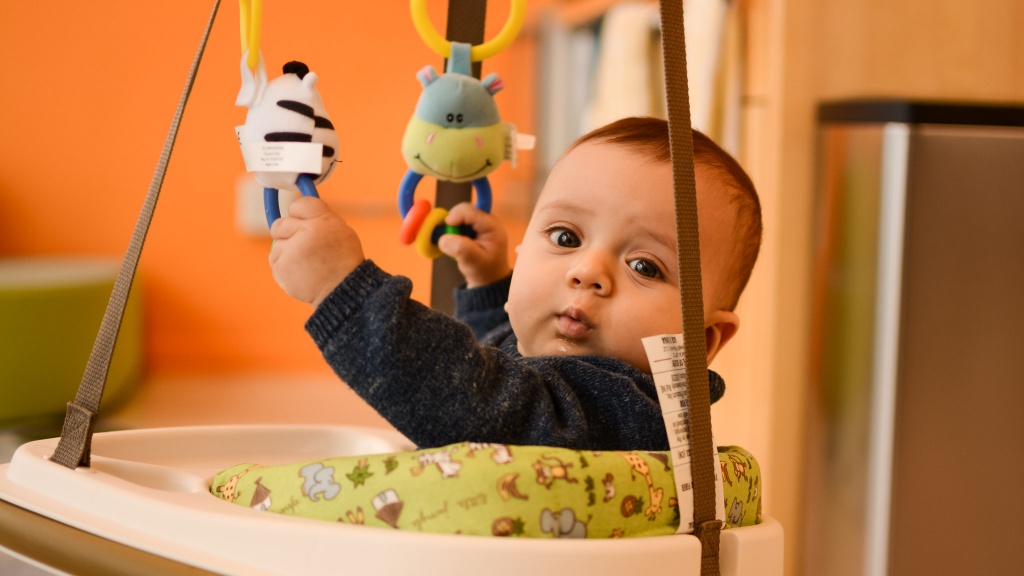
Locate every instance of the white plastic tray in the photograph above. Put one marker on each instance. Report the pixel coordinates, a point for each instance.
(149, 489)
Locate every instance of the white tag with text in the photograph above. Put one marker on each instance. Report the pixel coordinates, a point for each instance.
(665, 354)
(301, 157)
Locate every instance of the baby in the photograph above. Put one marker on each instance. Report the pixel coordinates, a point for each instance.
(559, 359)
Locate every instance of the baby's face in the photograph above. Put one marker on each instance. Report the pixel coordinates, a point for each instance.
(597, 269)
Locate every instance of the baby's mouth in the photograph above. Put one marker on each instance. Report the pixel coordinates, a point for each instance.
(574, 324)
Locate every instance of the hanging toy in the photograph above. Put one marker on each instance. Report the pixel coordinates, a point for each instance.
(456, 133)
(287, 140)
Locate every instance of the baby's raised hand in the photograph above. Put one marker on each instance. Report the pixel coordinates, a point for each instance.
(314, 250)
(482, 260)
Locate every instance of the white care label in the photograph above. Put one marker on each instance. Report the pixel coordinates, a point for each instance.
(665, 353)
(301, 157)
(514, 142)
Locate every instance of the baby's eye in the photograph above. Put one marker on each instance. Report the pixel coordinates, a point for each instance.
(564, 238)
(645, 268)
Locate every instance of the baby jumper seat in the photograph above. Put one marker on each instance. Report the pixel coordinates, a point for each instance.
(282, 500)
(151, 490)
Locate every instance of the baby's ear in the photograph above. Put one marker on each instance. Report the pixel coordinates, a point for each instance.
(719, 327)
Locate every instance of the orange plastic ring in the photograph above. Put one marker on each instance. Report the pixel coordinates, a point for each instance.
(413, 221)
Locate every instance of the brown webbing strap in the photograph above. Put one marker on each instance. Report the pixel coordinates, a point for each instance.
(75, 445)
(706, 526)
(465, 24)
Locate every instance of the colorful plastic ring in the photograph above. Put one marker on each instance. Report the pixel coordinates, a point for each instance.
(271, 203)
(407, 192)
(413, 221)
(463, 230)
(443, 47)
(424, 238)
(482, 186)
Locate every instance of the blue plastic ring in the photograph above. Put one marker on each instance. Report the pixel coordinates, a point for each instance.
(407, 192)
(271, 203)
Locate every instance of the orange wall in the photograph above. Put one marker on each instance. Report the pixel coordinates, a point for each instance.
(90, 90)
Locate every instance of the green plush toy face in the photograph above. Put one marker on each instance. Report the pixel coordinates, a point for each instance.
(455, 133)
(454, 154)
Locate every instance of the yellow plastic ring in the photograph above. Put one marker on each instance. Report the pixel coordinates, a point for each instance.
(424, 245)
(443, 47)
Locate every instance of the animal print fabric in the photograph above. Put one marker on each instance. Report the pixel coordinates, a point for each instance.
(492, 490)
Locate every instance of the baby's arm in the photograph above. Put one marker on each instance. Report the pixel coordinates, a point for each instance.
(483, 308)
(428, 376)
(314, 250)
(482, 260)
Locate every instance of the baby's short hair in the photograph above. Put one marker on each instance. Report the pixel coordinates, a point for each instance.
(649, 136)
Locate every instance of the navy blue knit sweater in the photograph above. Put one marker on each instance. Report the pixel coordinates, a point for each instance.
(428, 375)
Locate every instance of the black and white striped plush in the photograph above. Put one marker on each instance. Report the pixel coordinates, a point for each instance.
(290, 109)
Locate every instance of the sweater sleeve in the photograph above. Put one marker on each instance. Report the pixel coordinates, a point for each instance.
(428, 376)
(483, 308)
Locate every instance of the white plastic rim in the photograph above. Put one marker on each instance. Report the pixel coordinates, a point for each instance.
(149, 489)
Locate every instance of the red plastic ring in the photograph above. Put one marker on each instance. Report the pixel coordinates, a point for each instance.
(413, 221)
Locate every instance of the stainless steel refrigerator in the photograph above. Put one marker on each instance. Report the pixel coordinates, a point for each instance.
(915, 444)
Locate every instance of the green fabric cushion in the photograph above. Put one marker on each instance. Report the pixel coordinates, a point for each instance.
(491, 490)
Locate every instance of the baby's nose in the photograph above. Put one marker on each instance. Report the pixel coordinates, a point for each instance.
(592, 273)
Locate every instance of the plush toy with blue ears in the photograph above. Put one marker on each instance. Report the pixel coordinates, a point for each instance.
(455, 134)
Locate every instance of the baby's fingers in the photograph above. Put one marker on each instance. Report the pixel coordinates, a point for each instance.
(465, 213)
(306, 207)
(462, 248)
(283, 228)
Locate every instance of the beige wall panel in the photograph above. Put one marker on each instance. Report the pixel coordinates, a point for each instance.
(800, 53)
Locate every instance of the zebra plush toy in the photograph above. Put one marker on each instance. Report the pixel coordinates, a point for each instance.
(288, 109)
